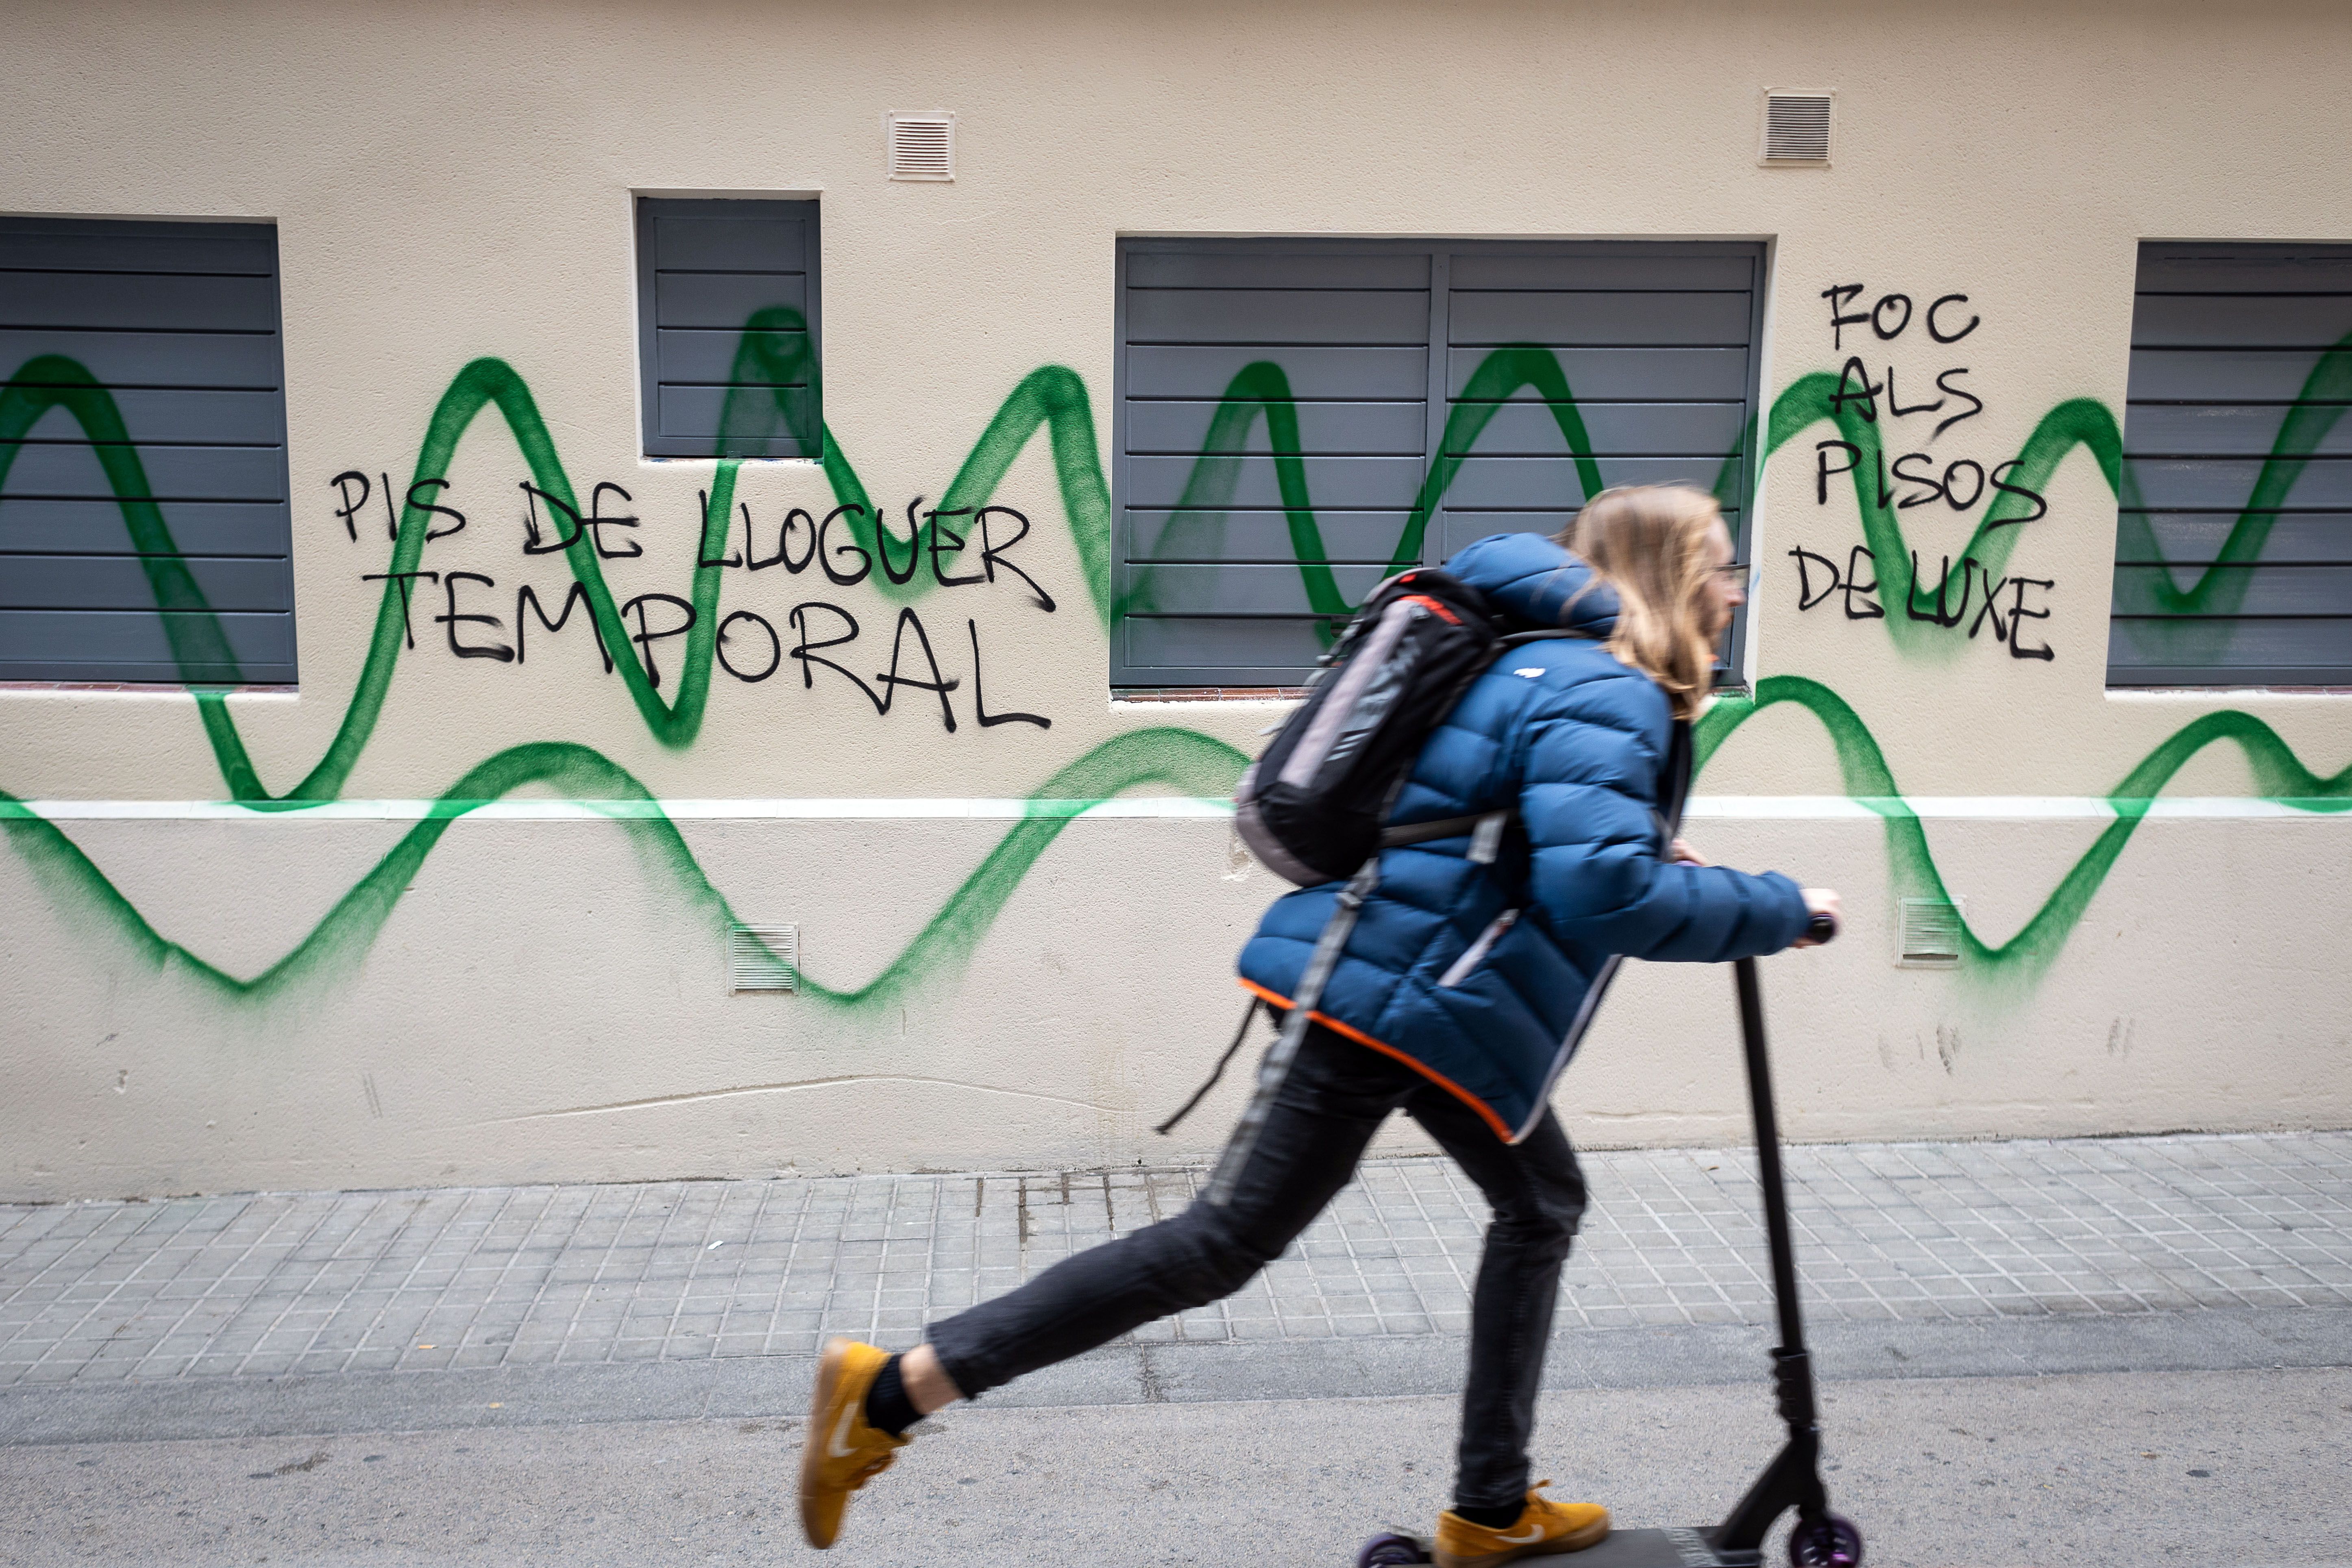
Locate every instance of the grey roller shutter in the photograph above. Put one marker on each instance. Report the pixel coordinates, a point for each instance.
(727, 327)
(144, 530)
(1295, 417)
(1232, 355)
(2233, 541)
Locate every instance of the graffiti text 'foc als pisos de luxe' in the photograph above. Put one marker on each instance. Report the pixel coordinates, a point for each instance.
(1913, 480)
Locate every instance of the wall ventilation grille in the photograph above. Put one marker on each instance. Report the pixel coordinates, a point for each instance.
(922, 147)
(1797, 129)
(763, 958)
(1929, 933)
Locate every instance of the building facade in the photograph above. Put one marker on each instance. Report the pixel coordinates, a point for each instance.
(610, 591)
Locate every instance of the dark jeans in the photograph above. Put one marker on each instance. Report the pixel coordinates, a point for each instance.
(1336, 1097)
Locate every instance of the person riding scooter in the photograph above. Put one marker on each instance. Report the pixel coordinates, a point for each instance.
(1461, 972)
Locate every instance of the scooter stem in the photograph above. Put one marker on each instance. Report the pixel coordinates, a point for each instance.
(1767, 1157)
(1794, 1479)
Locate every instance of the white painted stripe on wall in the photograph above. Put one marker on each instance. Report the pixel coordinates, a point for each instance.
(526, 809)
(1714, 807)
(1983, 807)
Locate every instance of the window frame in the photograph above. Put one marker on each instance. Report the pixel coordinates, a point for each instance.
(657, 446)
(1165, 683)
(2200, 676)
(213, 378)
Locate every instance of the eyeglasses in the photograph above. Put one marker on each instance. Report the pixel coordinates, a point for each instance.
(1737, 572)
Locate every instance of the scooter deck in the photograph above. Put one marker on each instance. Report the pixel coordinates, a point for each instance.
(1677, 1547)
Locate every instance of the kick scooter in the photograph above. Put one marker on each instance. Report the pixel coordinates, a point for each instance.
(1794, 1479)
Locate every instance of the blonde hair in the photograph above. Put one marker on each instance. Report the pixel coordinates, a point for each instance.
(1649, 543)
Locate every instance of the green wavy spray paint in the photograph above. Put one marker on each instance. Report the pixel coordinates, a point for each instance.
(53, 381)
(1055, 399)
(773, 352)
(1181, 761)
(1052, 399)
(1911, 866)
(1261, 390)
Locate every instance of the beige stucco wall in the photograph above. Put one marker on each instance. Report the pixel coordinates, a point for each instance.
(540, 996)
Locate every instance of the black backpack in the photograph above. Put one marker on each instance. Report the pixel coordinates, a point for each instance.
(1315, 806)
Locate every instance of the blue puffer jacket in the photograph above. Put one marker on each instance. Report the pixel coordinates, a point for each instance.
(1479, 976)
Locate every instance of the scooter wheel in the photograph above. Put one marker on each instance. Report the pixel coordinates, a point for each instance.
(1391, 1551)
(1829, 1541)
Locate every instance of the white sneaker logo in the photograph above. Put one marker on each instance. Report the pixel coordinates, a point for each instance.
(1535, 1533)
(838, 1444)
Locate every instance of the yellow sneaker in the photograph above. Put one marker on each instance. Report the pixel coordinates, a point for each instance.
(1542, 1528)
(840, 1453)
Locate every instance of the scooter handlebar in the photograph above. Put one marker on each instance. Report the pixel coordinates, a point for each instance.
(1822, 928)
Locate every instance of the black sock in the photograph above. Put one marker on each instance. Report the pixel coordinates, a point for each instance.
(1490, 1518)
(887, 1408)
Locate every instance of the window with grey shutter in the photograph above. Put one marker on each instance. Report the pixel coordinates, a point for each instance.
(2233, 538)
(727, 329)
(144, 531)
(1297, 419)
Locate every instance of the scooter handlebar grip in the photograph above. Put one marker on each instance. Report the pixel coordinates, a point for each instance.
(1822, 928)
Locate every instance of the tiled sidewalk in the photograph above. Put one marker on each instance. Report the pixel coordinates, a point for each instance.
(324, 1282)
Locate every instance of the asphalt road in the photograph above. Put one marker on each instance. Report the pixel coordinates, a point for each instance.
(2182, 1467)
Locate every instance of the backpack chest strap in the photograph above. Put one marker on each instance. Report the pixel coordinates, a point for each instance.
(1485, 831)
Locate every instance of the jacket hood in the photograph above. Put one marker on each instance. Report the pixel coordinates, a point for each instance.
(1531, 579)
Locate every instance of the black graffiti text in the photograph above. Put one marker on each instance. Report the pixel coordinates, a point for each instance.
(751, 648)
(938, 538)
(954, 547)
(1892, 315)
(1858, 394)
(1819, 576)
